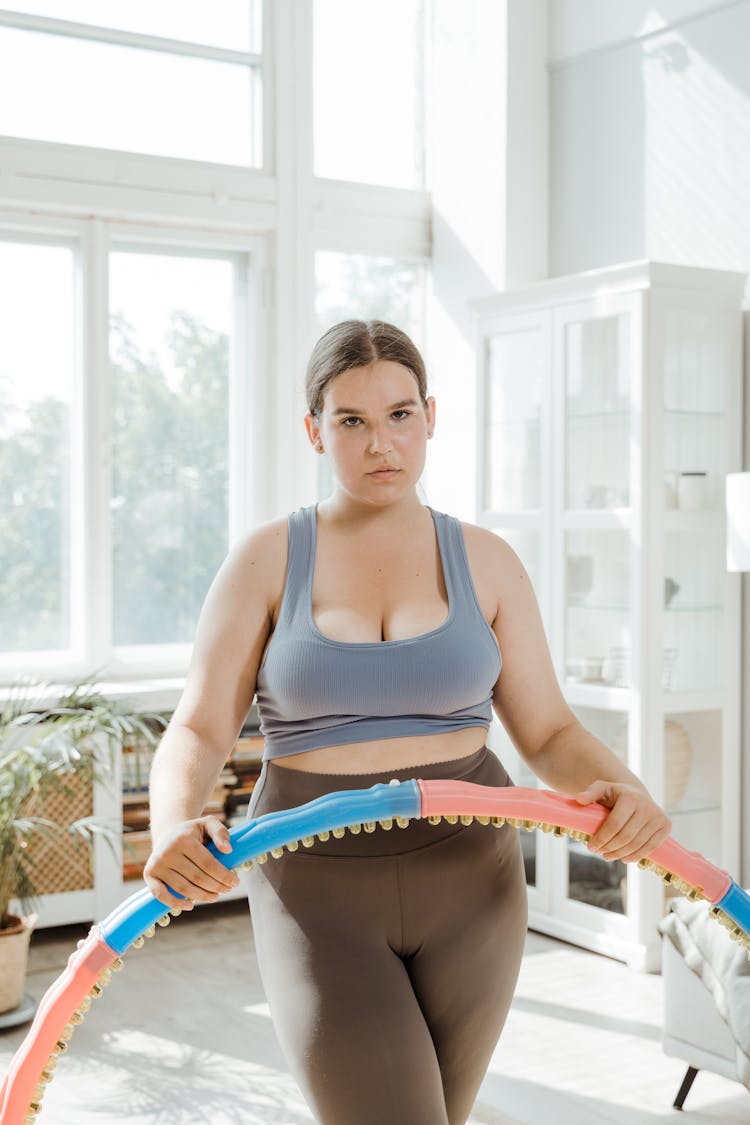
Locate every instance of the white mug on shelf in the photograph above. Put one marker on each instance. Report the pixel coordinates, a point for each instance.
(691, 491)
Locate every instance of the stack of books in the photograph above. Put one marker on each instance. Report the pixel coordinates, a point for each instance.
(228, 800)
(245, 760)
(136, 761)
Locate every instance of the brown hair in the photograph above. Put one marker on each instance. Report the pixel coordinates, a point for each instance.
(358, 343)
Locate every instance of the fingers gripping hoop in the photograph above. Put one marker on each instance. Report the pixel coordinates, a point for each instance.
(91, 965)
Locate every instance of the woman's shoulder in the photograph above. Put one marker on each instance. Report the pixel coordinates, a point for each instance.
(481, 540)
(259, 556)
(264, 540)
(487, 548)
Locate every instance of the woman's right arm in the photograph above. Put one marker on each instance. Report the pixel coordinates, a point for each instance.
(233, 628)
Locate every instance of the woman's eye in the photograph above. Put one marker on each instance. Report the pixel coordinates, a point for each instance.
(346, 421)
(403, 414)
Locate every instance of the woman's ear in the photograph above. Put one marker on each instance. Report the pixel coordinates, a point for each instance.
(430, 415)
(313, 432)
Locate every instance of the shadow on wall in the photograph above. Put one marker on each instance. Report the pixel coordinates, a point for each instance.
(650, 147)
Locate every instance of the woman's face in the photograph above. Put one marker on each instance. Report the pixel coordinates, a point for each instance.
(374, 429)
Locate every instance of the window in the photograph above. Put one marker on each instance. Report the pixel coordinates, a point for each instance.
(170, 331)
(154, 311)
(37, 363)
(136, 84)
(118, 477)
(366, 287)
(223, 23)
(368, 68)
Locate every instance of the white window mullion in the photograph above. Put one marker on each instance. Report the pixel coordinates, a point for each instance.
(248, 416)
(93, 583)
(294, 482)
(79, 472)
(266, 77)
(252, 397)
(143, 41)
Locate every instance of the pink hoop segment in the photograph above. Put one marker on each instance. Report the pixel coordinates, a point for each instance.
(48, 1035)
(90, 966)
(539, 807)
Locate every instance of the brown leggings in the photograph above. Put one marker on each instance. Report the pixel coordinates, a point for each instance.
(389, 959)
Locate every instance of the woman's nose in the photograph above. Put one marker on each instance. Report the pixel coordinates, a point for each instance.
(379, 442)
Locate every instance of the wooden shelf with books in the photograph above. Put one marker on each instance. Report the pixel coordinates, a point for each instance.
(229, 799)
(246, 761)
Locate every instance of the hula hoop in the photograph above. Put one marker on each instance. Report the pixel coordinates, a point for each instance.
(90, 967)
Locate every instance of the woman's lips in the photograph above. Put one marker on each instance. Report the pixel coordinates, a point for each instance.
(384, 474)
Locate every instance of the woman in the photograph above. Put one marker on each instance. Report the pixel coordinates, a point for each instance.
(372, 629)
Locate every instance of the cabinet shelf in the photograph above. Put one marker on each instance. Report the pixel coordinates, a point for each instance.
(680, 609)
(597, 519)
(700, 415)
(710, 522)
(694, 807)
(597, 415)
(600, 607)
(586, 693)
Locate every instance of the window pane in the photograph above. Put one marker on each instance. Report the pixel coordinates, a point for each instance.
(170, 325)
(37, 357)
(144, 101)
(222, 23)
(515, 371)
(368, 91)
(360, 286)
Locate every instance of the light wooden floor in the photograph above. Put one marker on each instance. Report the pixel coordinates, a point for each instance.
(182, 1036)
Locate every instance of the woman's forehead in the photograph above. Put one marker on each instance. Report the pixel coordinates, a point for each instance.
(378, 381)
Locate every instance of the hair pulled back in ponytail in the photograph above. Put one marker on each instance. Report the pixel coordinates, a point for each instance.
(358, 343)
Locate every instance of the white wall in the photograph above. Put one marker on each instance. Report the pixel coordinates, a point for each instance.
(488, 177)
(650, 156)
(580, 26)
(650, 133)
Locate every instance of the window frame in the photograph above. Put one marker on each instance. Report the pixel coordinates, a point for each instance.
(281, 216)
(90, 538)
(255, 62)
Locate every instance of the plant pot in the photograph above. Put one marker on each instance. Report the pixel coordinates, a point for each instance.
(14, 952)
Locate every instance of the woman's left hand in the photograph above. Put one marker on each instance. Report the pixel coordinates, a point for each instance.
(635, 826)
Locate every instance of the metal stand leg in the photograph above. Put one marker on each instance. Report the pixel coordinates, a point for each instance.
(684, 1089)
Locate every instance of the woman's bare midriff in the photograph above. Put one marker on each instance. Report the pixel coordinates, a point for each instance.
(388, 753)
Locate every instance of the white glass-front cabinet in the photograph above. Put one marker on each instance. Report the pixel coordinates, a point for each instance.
(609, 413)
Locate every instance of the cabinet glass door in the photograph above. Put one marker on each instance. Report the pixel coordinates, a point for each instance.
(597, 607)
(513, 396)
(526, 544)
(597, 413)
(696, 361)
(694, 580)
(693, 779)
(591, 879)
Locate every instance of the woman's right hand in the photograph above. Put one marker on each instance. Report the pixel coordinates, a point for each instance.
(181, 860)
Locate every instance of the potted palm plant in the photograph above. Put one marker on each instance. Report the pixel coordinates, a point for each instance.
(48, 748)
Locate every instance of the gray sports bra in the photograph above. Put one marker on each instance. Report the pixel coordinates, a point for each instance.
(313, 691)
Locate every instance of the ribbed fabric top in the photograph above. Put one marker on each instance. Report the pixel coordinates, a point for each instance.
(313, 691)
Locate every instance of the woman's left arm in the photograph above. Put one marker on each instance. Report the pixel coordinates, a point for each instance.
(529, 703)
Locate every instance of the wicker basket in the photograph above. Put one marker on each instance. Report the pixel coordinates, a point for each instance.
(678, 761)
(62, 864)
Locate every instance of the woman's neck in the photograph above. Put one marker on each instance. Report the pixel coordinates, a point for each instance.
(344, 511)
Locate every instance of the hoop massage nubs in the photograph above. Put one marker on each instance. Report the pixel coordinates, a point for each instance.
(363, 810)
